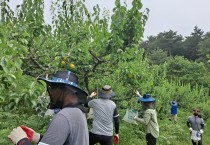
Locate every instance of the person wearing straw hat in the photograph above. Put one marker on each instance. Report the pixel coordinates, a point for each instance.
(104, 112)
(69, 125)
(149, 118)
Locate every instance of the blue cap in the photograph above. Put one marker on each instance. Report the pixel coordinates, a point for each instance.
(146, 98)
(68, 78)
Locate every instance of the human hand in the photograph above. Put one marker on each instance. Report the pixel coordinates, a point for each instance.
(16, 135)
(116, 139)
(31, 134)
(201, 131)
(190, 129)
(93, 94)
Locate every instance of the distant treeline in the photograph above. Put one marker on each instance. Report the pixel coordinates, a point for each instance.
(195, 47)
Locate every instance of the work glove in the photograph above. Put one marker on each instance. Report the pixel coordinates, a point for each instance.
(31, 134)
(190, 129)
(201, 131)
(135, 117)
(17, 134)
(116, 139)
(137, 93)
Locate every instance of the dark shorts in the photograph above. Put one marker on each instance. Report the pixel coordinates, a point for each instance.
(151, 140)
(102, 139)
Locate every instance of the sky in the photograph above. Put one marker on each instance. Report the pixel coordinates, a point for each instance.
(176, 15)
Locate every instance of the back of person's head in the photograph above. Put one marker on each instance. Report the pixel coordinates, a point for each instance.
(106, 92)
(174, 103)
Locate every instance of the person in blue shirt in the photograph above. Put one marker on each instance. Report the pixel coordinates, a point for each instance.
(174, 111)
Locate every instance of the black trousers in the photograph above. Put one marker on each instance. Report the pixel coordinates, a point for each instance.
(102, 139)
(199, 142)
(151, 140)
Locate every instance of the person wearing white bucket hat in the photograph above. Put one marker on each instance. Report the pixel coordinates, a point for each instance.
(174, 110)
(104, 112)
(69, 125)
(149, 118)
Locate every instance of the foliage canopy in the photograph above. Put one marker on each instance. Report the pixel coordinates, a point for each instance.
(100, 54)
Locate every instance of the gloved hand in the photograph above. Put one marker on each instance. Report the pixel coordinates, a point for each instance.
(201, 131)
(190, 129)
(116, 139)
(31, 134)
(137, 93)
(17, 134)
(135, 117)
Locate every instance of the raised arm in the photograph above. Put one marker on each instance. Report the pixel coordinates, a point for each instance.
(93, 94)
(137, 93)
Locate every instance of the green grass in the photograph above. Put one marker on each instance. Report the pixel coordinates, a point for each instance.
(170, 133)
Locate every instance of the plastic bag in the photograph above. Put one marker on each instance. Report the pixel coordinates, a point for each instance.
(129, 115)
(90, 114)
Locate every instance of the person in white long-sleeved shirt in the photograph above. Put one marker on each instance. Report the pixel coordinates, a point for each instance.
(149, 118)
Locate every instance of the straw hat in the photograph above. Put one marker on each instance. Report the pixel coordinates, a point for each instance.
(106, 92)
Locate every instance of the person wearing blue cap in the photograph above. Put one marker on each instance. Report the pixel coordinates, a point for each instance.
(174, 110)
(149, 118)
(69, 125)
(104, 113)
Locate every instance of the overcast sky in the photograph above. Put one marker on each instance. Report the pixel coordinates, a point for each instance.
(177, 15)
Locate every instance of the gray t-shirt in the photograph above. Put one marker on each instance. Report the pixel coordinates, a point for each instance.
(195, 122)
(68, 127)
(103, 113)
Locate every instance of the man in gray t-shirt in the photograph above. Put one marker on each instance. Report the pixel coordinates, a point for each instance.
(104, 112)
(196, 124)
(69, 126)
